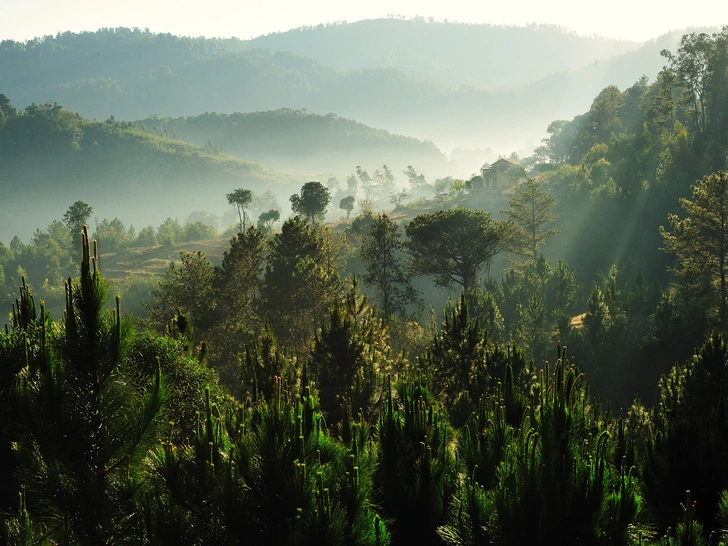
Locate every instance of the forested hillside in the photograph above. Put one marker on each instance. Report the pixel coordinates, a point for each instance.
(57, 156)
(618, 169)
(334, 435)
(533, 356)
(297, 141)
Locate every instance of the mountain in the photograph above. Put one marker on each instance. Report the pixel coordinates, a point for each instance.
(510, 101)
(476, 55)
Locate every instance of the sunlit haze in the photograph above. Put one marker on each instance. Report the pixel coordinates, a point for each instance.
(637, 21)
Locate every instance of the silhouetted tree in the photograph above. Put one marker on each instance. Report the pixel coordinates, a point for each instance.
(381, 251)
(398, 197)
(312, 201)
(267, 219)
(74, 218)
(453, 245)
(416, 180)
(240, 198)
(347, 204)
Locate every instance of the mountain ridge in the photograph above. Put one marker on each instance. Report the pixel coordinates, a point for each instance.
(133, 74)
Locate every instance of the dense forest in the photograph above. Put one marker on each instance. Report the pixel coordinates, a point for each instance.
(299, 391)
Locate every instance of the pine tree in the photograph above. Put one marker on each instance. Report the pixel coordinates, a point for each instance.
(85, 430)
(454, 245)
(688, 437)
(345, 358)
(555, 484)
(20, 346)
(188, 289)
(261, 363)
(236, 295)
(302, 281)
(454, 356)
(416, 470)
(381, 251)
(312, 202)
(530, 210)
(241, 199)
(700, 242)
(267, 474)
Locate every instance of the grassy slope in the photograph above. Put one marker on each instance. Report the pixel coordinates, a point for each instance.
(155, 260)
(146, 261)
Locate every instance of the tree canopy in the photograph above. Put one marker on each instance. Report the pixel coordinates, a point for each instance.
(240, 198)
(347, 204)
(268, 218)
(531, 208)
(312, 201)
(302, 279)
(700, 240)
(75, 217)
(453, 245)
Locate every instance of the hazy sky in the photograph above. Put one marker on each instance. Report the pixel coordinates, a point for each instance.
(627, 19)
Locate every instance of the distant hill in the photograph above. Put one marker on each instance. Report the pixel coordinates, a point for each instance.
(51, 157)
(133, 74)
(484, 56)
(295, 140)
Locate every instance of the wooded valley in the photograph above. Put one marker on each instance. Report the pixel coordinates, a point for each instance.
(382, 354)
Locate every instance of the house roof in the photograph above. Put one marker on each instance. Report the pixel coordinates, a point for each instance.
(501, 164)
(504, 162)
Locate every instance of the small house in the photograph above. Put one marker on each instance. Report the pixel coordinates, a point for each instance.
(494, 176)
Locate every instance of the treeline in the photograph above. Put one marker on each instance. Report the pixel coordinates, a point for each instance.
(438, 51)
(45, 132)
(289, 279)
(109, 434)
(47, 260)
(57, 56)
